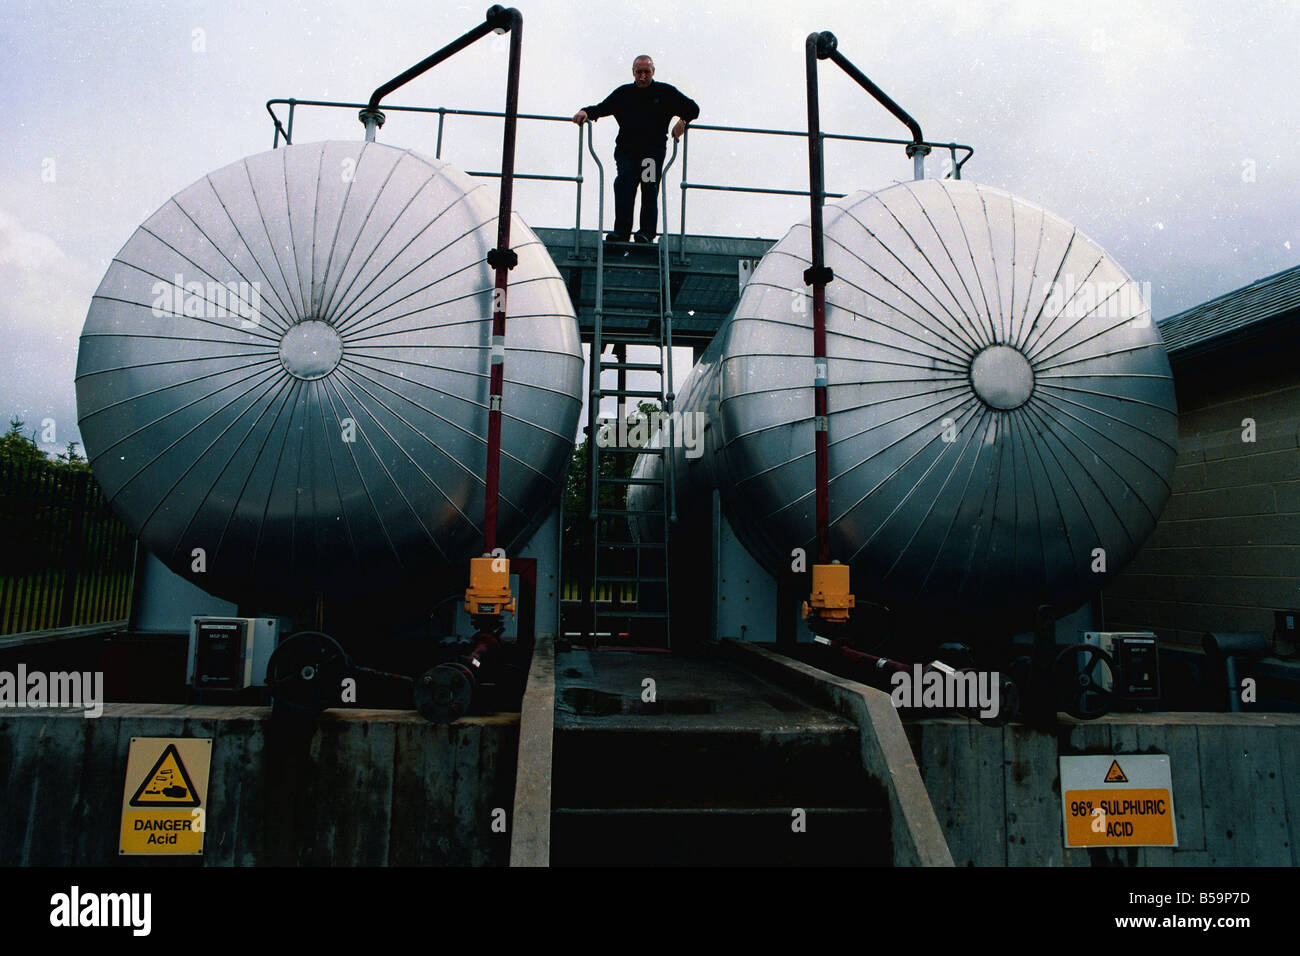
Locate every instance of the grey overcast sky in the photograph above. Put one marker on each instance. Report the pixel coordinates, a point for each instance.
(1168, 132)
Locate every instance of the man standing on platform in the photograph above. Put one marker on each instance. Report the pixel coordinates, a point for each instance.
(643, 109)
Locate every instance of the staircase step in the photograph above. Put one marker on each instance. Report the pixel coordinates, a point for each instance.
(629, 338)
(621, 249)
(631, 393)
(629, 481)
(621, 312)
(729, 836)
(651, 289)
(625, 450)
(633, 366)
(675, 752)
(618, 579)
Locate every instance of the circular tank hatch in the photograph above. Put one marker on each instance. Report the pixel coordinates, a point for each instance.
(311, 350)
(1002, 377)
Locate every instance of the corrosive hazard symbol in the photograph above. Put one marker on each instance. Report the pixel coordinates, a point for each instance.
(164, 795)
(1104, 804)
(167, 785)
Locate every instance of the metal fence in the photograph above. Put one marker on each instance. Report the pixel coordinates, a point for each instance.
(66, 559)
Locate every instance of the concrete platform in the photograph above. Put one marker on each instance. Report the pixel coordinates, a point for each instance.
(606, 689)
(663, 760)
(717, 765)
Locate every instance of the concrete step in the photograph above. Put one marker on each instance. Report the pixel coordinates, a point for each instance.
(708, 773)
(723, 836)
(702, 763)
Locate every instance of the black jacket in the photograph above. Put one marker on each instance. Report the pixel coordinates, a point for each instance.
(643, 115)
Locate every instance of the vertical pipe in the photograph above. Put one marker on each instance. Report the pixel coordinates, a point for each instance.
(817, 276)
(502, 261)
(442, 115)
(1230, 669)
(681, 226)
(288, 131)
(666, 331)
(577, 213)
(918, 152)
(593, 402)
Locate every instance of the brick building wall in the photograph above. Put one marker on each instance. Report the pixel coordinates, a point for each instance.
(1225, 554)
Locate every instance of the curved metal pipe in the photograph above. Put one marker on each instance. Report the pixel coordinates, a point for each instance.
(823, 45)
(817, 276)
(880, 95)
(497, 18)
(503, 259)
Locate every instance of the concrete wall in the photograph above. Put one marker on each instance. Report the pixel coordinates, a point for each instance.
(997, 790)
(356, 788)
(1226, 552)
(916, 835)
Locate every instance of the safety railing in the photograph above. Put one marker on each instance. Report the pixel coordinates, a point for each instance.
(959, 154)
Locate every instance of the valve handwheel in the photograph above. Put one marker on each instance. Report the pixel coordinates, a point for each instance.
(306, 671)
(1079, 683)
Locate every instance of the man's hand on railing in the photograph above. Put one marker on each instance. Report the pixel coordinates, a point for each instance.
(580, 117)
(679, 129)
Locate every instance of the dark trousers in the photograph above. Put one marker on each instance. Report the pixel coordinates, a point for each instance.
(635, 172)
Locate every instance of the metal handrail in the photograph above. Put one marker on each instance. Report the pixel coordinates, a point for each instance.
(686, 184)
(443, 112)
(593, 405)
(285, 130)
(666, 325)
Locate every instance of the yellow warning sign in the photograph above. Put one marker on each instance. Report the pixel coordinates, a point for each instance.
(167, 784)
(1119, 818)
(164, 801)
(1104, 804)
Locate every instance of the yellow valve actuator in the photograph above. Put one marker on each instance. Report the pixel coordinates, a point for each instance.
(831, 599)
(489, 586)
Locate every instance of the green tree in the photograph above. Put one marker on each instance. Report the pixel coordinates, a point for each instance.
(611, 466)
(71, 460)
(19, 448)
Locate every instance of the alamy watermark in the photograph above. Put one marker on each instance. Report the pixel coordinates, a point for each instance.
(61, 689)
(208, 300)
(76, 909)
(639, 429)
(945, 688)
(1101, 300)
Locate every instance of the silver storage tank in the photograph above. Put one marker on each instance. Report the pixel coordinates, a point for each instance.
(1003, 426)
(283, 378)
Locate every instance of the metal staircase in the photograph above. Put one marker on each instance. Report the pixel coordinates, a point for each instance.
(629, 572)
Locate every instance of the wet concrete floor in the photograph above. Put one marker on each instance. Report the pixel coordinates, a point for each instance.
(608, 689)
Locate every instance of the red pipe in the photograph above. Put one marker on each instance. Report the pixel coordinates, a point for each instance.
(817, 47)
(503, 259)
(821, 447)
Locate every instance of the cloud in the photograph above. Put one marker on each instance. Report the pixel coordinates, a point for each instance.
(46, 295)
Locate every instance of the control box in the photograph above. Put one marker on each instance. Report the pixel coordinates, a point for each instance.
(230, 653)
(1137, 663)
